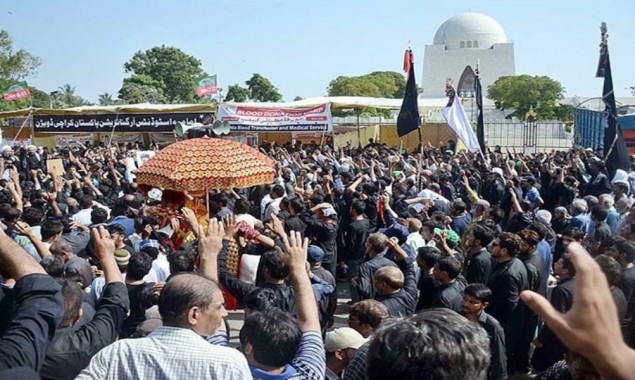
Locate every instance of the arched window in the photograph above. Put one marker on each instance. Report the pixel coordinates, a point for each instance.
(462, 44)
(475, 44)
(469, 44)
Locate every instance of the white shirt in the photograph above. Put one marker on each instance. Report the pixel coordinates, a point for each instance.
(167, 353)
(160, 270)
(415, 241)
(83, 216)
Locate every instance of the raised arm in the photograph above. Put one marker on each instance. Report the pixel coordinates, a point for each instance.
(294, 257)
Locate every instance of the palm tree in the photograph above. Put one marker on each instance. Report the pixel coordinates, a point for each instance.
(106, 99)
(67, 98)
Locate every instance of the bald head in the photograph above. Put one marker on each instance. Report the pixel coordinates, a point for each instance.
(183, 293)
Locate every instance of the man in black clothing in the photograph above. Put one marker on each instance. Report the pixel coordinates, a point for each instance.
(476, 297)
(549, 348)
(71, 349)
(494, 189)
(397, 289)
(29, 313)
(450, 293)
(274, 273)
(321, 229)
(479, 260)
(375, 247)
(598, 184)
(293, 222)
(327, 306)
(355, 238)
(507, 280)
(538, 277)
(427, 258)
(138, 267)
(601, 228)
(624, 253)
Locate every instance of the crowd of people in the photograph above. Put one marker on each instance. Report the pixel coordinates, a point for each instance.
(457, 266)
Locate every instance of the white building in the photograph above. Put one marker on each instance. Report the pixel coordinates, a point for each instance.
(462, 41)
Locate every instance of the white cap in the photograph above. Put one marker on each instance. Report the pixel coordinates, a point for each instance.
(343, 338)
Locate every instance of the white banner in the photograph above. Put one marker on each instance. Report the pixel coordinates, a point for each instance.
(457, 119)
(266, 119)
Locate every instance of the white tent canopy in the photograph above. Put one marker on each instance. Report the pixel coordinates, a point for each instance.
(337, 103)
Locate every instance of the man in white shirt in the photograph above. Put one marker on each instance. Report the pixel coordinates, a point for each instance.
(191, 307)
(83, 216)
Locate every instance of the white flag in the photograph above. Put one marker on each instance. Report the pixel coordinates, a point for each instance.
(457, 119)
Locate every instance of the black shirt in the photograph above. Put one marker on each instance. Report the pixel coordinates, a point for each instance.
(71, 349)
(137, 312)
(239, 289)
(479, 267)
(537, 272)
(498, 365)
(403, 302)
(29, 316)
(449, 296)
(506, 281)
(355, 235)
(427, 287)
(627, 284)
(367, 271)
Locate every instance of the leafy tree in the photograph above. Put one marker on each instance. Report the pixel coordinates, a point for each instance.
(135, 91)
(262, 90)
(565, 112)
(632, 88)
(67, 98)
(523, 92)
(378, 84)
(106, 99)
(236, 93)
(15, 65)
(170, 71)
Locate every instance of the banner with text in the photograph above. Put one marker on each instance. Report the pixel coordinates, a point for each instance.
(268, 119)
(122, 122)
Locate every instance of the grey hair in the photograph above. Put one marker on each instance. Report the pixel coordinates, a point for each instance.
(579, 206)
(543, 216)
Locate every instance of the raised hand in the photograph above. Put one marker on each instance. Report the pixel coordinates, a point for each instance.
(295, 251)
(591, 326)
(104, 245)
(211, 242)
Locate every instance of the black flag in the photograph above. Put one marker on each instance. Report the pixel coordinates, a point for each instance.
(480, 128)
(408, 119)
(615, 154)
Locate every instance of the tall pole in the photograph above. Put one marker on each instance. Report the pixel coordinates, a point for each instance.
(358, 111)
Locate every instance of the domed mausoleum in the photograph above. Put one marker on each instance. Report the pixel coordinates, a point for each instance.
(462, 41)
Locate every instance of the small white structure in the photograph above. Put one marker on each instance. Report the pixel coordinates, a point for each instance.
(461, 41)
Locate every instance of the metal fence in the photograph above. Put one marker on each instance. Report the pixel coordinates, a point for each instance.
(529, 137)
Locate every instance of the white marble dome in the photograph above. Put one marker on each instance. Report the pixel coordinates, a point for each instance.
(470, 31)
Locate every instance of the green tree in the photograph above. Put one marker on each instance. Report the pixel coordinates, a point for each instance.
(67, 98)
(106, 99)
(262, 90)
(378, 84)
(632, 88)
(15, 65)
(170, 70)
(135, 90)
(237, 93)
(520, 93)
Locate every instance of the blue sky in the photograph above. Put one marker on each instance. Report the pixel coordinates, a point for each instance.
(302, 45)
